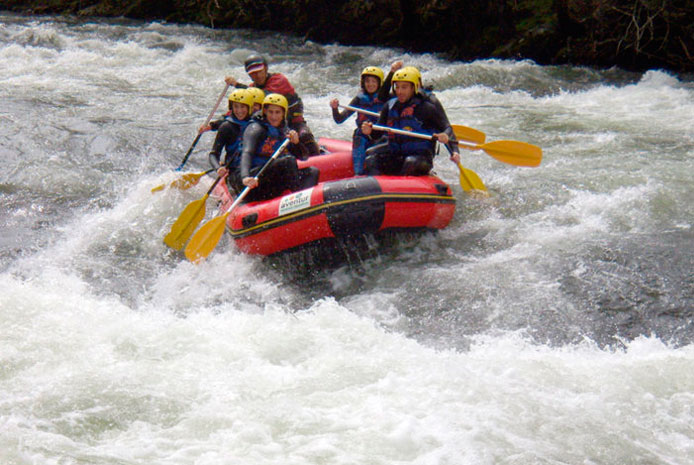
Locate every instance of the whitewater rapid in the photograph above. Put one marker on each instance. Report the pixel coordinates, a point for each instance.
(550, 323)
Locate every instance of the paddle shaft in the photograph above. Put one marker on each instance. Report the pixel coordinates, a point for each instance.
(469, 144)
(192, 178)
(403, 132)
(359, 110)
(186, 181)
(214, 184)
(512, 152)
(188, 220)
(207, 121)
(467, 132)
(209, 171)
(397, 131)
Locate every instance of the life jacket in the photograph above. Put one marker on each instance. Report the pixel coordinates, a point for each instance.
(368, 102)
(233, 148)
(405, 119)
(273, 139)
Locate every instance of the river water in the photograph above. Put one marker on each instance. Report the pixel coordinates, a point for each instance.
(551, 323)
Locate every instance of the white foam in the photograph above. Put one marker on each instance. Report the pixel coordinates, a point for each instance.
(469, 350)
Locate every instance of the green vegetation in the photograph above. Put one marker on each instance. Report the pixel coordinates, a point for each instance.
(632, 34)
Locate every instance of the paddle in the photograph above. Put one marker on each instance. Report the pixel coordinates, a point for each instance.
(469, 134)
(188, 220)
(461, 132)
(468, 178)
(512, 152)
(207, 121)
(206, 239)
(186, 181)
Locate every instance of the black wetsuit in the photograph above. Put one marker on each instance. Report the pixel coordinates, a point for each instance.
(385, 94)
(259, 143)
(407, 155)
(229, 133)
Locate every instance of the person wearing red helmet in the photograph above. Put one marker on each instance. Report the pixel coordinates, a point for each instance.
(277, 83)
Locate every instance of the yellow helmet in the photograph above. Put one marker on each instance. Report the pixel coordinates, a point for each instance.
(416, 72)
(374, 71)
(258, 94)
(242, 96)
(276, 99)
(408, 74)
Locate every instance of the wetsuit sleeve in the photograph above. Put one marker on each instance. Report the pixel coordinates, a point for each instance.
(437, 103)
(214, 125)
(436, 118)
(453, 142)
(214, 160)
(226, 134)
(300, 151)
(296, 107)
(382, 121)
(340, 117)
(252, 136)
(384, 91)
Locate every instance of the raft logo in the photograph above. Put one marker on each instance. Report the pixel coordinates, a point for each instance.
(295, 202)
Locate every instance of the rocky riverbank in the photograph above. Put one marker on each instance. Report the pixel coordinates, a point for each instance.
(632, 34)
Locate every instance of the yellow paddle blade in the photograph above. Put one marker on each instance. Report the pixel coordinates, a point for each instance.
(184, 182)
(187, 180)
(469, 134)
(512, 152)
(185, 225)
(205, 240)
(469, 180)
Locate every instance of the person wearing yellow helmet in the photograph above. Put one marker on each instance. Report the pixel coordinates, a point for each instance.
(409, 111)
(258, 97)
(428, 93)
(229, 130)
(371, 81)
(257, 68)
(261, 139)
(425, 92)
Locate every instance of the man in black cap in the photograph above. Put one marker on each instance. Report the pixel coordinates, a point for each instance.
(277, 83)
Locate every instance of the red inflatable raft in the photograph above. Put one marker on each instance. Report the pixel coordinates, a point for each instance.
(340, 205)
